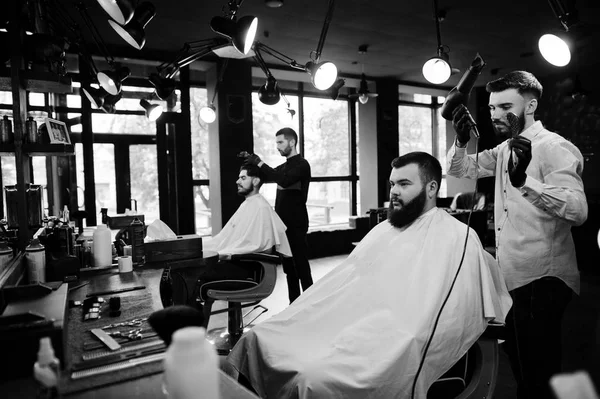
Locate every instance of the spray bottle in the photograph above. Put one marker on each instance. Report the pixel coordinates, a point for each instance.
(46, 370)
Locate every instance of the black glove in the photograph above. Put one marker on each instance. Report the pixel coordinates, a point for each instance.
(253, 159)
(520, 156)
(462, 121)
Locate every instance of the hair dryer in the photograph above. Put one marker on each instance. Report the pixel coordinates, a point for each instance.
(460, 94)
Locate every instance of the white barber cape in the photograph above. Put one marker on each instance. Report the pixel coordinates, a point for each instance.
(254, 227)
(359, 331)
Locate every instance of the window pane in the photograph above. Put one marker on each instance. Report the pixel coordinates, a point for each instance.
(328, 203)
(104, 176)
(80, 176)
(269, 191)
(9, 175)
(200, 152)
(39, 177)
(414, 128)
(144, 180)
(37, 99)
(267, 120)
(122, 124)
(73, 101)
(5, 97)
(202, 211)
(326, 138)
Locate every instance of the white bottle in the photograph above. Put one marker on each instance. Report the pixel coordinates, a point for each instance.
(47, 370)
(191, 366)
(35, 256)
(102, 246)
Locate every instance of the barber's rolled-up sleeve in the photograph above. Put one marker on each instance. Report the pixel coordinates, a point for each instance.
(460, 164)
(561, 193)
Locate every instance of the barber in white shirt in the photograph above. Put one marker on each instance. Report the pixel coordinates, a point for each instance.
(538, 197)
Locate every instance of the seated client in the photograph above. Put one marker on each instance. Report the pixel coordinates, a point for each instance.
(361, 330)
(254, 227)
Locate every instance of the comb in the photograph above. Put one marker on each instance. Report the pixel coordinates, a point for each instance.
(94, 371)
(125, 349)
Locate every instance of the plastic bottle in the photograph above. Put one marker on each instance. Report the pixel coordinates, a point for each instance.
(6, 254)
(136, 235)
(46, 370)
(31, 128)
(191, 366)
(35, 255)
(102, 246)
(6, 133)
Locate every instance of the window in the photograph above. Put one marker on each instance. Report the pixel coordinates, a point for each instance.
(324, 140)
(200, 162)
(422, 128)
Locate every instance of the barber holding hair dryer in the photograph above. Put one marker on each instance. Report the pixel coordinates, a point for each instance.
(538, 197)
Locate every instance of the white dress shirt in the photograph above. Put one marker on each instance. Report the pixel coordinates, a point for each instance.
(533, 222)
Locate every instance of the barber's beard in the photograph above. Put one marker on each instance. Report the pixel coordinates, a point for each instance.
(507, 129)
(409, 212)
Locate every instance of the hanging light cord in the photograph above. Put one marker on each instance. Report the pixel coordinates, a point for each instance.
(219, 80)
(328, 17)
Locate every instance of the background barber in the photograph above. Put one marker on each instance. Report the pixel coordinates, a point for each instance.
(292, 178)
(538, 197)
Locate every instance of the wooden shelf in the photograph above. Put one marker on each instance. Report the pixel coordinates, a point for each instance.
(40, 82)
(39, 149)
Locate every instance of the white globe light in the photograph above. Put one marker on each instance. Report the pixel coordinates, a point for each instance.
(363, 98)
(325, 76)
(554, 50)
(208, 114)
(436, 70)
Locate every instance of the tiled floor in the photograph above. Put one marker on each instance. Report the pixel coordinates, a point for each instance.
(580, 325)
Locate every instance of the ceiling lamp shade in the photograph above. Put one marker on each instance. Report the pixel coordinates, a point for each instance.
(120, 10)
(109, 103)
(322, 75)
(437, 70)
(164, 86)
(208, 114)
(554, 50)
(334, 90)
(95, 96)
(274, 3)
(153, 111)
(363, 94)
(133, 32)
(111, 80)
(269, 92)
(241, 33)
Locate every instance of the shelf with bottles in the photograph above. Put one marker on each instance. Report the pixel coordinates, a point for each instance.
(38, 149)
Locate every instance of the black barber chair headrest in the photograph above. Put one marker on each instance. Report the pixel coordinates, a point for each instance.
(166, 321)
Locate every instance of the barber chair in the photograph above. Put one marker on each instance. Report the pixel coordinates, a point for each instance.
(240, 294)
(474, 376)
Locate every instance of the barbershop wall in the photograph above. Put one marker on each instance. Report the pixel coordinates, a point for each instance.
(570, 106)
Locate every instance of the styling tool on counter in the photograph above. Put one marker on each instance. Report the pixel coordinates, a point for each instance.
(106, 339)
(94, 371)
(119, 291)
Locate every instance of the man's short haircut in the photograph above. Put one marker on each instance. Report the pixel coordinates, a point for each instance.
(253, 171)
(523, 81)
(288, 133)
(429, 167)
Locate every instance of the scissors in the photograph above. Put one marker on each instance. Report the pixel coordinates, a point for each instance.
(132, 335)
(129, 323)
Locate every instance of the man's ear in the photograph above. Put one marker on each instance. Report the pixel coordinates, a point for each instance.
(531, 106)
(255, 181)
(432, 189)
